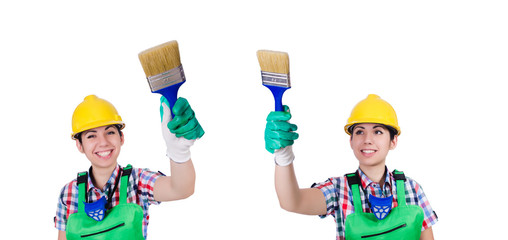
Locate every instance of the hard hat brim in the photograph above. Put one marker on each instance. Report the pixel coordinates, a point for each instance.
(349, 127)
(75, 135)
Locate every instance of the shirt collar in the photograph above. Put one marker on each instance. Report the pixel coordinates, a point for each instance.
(111, 180)
(367, 182)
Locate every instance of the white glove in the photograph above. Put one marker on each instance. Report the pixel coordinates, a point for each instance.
(284, 156)
(178, 148)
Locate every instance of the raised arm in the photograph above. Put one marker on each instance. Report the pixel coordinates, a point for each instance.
(310, 201)
(179, 185)
(279, 138)
(180, 134)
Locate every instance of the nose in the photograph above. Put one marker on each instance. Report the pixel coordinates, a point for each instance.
(368, 138)
(102, 139)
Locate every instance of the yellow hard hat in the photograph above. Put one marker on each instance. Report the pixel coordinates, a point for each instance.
(373, 109)
(94, 112)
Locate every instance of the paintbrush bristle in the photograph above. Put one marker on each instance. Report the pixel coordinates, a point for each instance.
(160, 58)
(273, 61)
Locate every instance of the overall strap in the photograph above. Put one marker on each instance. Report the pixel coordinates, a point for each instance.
(124, 182)
(400, 178)
(82, 187)
(354, 182)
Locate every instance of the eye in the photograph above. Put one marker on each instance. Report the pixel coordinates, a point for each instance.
(111, 133)
(358, 132)
(379, 132)
(90, 136)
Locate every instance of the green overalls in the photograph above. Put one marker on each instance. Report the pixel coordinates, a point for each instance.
(124, 221)
(403, 222)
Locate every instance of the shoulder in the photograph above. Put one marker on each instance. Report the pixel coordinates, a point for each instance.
(69, 193)
(412, 184)
(332, 183)
(70, 186)
(143, 176)
(143, 172)
(414, 192)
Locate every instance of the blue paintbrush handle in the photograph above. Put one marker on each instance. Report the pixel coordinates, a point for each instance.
(277, 95)
(171, 94)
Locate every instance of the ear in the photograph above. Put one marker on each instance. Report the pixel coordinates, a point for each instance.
(393, 143)
(79, 146)
(122, 139)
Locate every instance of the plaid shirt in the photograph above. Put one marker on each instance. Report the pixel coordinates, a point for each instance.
(139, 191)
(339, 198)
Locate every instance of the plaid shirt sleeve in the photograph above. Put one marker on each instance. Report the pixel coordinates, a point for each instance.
(416, 196)
(337, 201)
(67, 204)
(329, 190)
(145, 185)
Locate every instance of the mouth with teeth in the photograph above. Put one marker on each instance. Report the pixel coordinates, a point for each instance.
(368, 152)
(104, 154)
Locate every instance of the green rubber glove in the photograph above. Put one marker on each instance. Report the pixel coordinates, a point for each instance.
(279, 133)
(181, 132)
(184, 124)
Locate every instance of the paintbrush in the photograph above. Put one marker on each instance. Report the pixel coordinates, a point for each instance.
(163, 70)
(275, 74)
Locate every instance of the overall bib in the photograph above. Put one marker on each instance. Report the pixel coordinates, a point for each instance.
(403, 222)
(124, 221)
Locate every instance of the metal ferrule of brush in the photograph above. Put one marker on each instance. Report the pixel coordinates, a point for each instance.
(166, 79)
(275, 79)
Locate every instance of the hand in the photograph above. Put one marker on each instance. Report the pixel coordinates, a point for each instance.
(181, 132)
(280, 136)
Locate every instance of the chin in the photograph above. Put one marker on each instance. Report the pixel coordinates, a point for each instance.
(104, 163)
(372, 163)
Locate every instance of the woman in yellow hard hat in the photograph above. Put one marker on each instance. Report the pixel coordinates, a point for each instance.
(110, 201)
(372, 202)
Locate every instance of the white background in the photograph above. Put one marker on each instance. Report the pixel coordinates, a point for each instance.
(441, 64)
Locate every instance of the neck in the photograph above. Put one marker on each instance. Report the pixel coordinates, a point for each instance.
(101, 176)
(375, 173)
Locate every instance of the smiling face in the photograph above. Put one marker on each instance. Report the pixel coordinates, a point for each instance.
(370, 143)
(101, 146)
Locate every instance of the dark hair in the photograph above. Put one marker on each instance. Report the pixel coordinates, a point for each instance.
(118, 127)
(391, 130)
